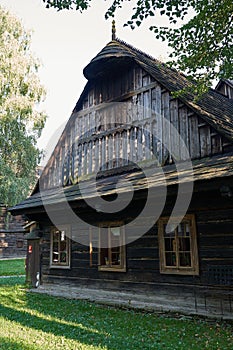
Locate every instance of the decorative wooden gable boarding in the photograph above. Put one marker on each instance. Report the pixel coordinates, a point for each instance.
(108, 128)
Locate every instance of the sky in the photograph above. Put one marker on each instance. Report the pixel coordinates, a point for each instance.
(65, 42)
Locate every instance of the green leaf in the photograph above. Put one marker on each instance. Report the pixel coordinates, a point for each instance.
(20, 123)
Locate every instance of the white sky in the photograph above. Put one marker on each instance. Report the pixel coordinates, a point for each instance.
(66, 41)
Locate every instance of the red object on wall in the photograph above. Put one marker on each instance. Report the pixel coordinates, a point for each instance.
(30, 249)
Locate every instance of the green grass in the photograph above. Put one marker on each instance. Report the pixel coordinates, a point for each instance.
(35, 321)
(12, 267)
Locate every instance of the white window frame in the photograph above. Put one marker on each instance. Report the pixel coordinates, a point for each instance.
(66, 231)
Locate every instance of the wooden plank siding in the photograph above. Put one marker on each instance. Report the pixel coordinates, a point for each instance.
(215, 244)
(210, 289)
(101, 133)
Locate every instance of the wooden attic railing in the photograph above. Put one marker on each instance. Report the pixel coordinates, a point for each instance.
(110, 136)
(113, 149)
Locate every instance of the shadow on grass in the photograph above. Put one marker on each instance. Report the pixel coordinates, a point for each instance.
(7, 344)
(107, 328)
(12, 281)
(111, 327)
(63, 327)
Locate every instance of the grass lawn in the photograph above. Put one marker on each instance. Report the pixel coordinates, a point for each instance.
(35, 321)
(12, 267)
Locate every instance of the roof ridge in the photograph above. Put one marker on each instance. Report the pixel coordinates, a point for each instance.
(138, 50)
(161, 63)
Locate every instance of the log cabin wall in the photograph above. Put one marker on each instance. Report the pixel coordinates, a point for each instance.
(12, 235)
(214, 239)
(103, 132)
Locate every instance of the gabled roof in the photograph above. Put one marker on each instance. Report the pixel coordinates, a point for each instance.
(228, 82)
(213, 107)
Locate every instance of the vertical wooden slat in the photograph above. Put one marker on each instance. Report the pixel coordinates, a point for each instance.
(103, 153)
(139, 144)
(97, 155)
(205, 142)
(147, 143)
(174, 117)
(216, 144)
(194, 137)
(89, 155)
(117, 149)
(183, 126)
(110, 151)
(125, 147)
(146, 80)
(165, 106)
(154, 137)
(138, 77)
(82, 160)
(79, 160)
(159, 124)
(113, 150)
(132, 137)
(85, 159)
(146, 105)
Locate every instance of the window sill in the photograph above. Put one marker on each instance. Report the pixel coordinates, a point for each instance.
(63, 267)
(112, 269)
(188, 272)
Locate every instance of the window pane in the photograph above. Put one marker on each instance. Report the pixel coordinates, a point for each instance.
(56, 236)
(63, 237)
(63, 252)
(63, 257)
(104, 258)
(185, 259)
(168, 234)
(187, 233)
(170, 259)
(184, 244)
(181, 229)
(169, 246)
(116, 231)
(55, 253)
(63, 246)
(116, 254)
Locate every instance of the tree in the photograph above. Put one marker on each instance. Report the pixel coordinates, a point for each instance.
(21, 122)
(202, 46)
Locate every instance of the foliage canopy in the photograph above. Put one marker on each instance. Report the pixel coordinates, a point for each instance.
(21, 122)
(201, 43)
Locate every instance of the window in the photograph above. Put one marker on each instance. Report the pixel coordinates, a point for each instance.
(112, 249)
(60, 248)
(178, 248)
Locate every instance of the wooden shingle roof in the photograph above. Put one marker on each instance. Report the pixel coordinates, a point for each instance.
(216, 167)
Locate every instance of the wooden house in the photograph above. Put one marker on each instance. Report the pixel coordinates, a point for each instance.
(120, 143)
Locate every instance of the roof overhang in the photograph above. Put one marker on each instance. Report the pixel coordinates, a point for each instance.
(218, 167)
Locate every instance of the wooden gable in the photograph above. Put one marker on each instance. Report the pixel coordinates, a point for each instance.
(225, 87)
(108, 129)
